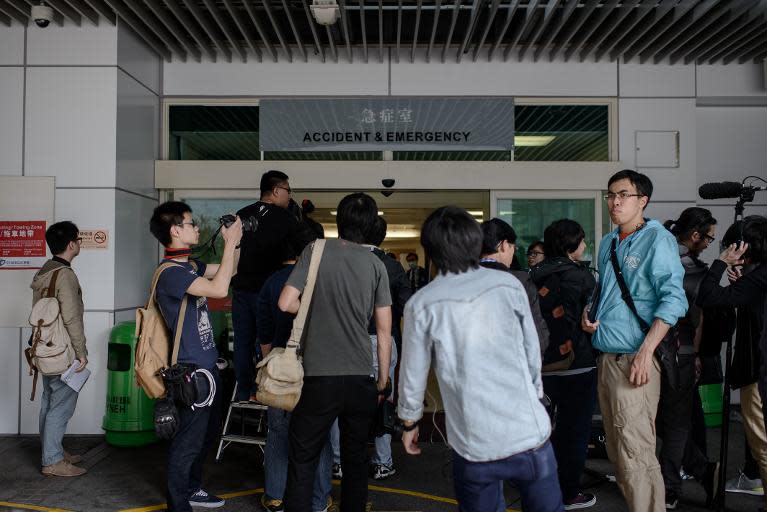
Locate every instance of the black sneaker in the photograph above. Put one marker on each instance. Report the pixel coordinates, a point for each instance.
(581, 500)
(710, 482)
(382, 472)
(672, 500)
(337, 472)
(271, 504)
(205, 500)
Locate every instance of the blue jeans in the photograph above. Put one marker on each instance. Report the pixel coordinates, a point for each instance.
(382, 454)
(276, 461)
(574, 397)
(534, 473)
(244, 309)
(198, 430)
(56, 408)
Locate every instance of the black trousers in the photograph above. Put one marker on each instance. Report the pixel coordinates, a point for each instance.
(574, 397)
(198, 430)
(351, 399)
(673, 425)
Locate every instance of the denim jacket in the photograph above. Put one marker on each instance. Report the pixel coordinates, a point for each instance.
(478, 330)
(649, 260)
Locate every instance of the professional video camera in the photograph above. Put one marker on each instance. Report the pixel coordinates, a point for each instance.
(248, 223)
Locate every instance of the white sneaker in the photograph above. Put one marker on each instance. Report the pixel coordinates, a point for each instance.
(744, 485)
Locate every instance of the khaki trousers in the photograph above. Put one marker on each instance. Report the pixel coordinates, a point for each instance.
(753, 423)
(628, 413)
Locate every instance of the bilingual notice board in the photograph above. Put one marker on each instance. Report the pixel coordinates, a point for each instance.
(387, 123)
(22, 244)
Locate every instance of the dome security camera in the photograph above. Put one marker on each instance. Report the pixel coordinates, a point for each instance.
(42, 14)
(325, 12)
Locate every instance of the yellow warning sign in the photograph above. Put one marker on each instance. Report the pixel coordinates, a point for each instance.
(94, 238)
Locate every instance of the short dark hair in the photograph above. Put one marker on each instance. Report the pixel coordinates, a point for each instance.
(562, 237)
(298, 239)
(452, 239)
(641, 182)
(691, 220)
(414, 255)
(495, 231)
(378, 233)
(356, 217)
(58, 236)
(168, 214)
(537, 243)
(755, 235)
(271, 179)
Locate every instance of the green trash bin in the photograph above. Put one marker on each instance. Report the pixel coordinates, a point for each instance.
(711, 396)
(129, 417)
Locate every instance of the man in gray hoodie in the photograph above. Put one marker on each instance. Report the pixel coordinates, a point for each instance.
(59, 400)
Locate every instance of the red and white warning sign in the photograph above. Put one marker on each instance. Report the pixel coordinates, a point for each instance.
(22, 244)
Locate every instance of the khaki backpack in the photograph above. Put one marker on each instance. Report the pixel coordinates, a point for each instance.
(153, 345)
(51, 352)
(281, 373)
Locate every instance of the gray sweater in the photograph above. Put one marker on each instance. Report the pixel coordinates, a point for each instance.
(477, 329)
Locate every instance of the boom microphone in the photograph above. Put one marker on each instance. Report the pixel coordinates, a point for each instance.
(723, 190)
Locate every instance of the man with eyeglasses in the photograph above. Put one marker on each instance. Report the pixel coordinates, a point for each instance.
(59, 400)
(694, 231)
(262, 253)
(629, 376)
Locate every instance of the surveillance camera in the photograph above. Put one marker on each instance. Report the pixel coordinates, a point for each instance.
(387, 182)
(325, 12)
(42, 14)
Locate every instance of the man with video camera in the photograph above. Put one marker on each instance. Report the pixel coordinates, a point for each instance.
(261, 256)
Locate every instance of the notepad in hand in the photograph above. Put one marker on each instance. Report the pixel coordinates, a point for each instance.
(73, 379)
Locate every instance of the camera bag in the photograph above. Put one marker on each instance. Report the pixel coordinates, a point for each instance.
(666, 351)
(281, 373)
(51, 351)
(153, 345)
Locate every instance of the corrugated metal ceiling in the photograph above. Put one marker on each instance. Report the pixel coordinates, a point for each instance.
(678, 31)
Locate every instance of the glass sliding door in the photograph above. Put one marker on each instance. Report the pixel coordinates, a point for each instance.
(530, 212)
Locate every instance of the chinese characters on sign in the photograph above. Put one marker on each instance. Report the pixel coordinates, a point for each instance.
(94, 239)
(22, 245)
(387, 123)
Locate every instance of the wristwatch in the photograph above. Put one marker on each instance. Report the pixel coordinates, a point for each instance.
(409, 428)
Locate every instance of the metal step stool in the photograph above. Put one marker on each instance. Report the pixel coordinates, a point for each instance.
(228, 438)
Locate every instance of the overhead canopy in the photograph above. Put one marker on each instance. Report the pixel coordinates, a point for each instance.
(682, 31)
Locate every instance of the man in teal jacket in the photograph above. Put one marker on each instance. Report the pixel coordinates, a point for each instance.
(629, 376)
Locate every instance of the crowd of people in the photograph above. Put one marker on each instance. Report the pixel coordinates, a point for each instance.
(522, 358)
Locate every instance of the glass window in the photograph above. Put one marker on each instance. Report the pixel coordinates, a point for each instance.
(561, 133)
(531, 216)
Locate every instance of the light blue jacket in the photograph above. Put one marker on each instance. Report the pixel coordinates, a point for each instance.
(477, 330)
(651, 267)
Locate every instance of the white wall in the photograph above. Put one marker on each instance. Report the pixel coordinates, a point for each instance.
(64, 106)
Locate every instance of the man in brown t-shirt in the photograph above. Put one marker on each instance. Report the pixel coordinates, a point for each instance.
(352, 285)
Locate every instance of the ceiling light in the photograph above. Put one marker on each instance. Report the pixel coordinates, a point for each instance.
(476, 213)
(533, 140)
(325, 12)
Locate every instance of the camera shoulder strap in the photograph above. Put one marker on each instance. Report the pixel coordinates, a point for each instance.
(625, 293)
(294, 343)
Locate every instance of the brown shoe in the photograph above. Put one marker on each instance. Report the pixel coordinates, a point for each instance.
(71, 458)
(63, 468)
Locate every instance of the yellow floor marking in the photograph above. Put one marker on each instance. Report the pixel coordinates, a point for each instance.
(22, 506)
(250, 492)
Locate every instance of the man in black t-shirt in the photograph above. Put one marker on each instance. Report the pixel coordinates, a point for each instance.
(262, 252)
(173, 227)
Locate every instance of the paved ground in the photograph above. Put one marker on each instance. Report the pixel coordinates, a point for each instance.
(120, 479)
